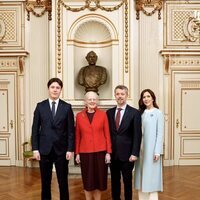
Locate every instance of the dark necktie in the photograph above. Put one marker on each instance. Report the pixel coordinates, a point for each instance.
(53, 109)
(117, 119)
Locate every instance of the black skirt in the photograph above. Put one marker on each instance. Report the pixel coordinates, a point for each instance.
(94, 171)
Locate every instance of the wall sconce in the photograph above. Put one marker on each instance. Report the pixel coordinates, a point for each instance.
(148, 7)
(41, 5)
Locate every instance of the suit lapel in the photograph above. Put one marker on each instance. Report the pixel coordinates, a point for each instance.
(48, 109)
(124, 119)
(112, 114)
(59, 110)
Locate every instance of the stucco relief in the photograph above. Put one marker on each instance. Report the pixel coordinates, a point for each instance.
(2, 29)
(182, 28)
(191, 29)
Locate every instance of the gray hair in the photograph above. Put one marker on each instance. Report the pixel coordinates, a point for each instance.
(121, 87)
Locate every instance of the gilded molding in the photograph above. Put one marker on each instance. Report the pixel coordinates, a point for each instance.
(21, 64)
(59, 38)
(95, 5)
(166, 63)
(126, 39)
(153, 5)
(190, 84)
(2, 30)
(33, 5)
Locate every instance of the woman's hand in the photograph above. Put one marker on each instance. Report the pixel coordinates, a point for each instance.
(78, 159)
(107, 158)
(156, 157)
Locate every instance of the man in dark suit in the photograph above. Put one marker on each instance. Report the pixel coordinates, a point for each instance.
(125, 130)
(53, 139)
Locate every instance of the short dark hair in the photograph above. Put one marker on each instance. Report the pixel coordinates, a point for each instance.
(121, 87)
(57, 80)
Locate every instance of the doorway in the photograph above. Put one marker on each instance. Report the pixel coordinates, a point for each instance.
(8, 118)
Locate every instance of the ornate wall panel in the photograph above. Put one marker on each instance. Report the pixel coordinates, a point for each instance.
(101, 26)
(190, 104)
(181, 29)
(182, 83)
(11, 25)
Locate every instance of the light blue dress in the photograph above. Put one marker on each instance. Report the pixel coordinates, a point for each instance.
(148, 173)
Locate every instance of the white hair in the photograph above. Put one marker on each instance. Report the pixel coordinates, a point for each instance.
(91, 93)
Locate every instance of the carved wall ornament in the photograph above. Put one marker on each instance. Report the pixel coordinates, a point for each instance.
(2, 30)
(42, 6)
(191, 29)
(148, 7)
(92, 5)
(126, 42)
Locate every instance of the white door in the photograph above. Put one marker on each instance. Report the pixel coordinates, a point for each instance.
(186, 117)
(8, 102)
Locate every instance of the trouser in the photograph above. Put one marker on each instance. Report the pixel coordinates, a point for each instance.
(117, 169)
(148, 195)
(61, 165)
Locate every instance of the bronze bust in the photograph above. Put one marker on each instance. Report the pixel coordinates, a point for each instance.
(92, 76)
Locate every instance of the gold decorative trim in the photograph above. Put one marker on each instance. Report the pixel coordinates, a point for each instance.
(166, 63)
(59, 38)
(95, 5)
(126, 56)
(185, 62)
(190, 84)
(153, 5)
(189, 155)
(21, 64)
(6, 154)
(2, 30)
(32, 5)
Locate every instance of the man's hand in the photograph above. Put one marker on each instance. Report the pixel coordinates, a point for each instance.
(69, 155)
(107, 158)
(36, 155)
(133, 158)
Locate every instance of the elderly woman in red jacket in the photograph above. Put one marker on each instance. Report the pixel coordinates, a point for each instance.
(93, 147)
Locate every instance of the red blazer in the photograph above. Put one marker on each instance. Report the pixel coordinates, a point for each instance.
(92, 137)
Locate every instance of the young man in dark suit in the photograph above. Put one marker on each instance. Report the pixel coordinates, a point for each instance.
(125, 130)
(53, 139)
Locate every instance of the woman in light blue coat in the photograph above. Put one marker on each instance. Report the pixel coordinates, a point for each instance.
(148, 168)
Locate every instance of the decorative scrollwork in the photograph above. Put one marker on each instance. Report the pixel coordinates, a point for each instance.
(44, 5)
(153, 5)
(92, 5)
(2, 30)
(191, 29)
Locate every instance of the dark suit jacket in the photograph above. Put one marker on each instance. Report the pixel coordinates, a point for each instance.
(126, 140)
(48, 132)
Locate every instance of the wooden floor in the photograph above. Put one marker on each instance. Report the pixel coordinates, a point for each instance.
(181, 183)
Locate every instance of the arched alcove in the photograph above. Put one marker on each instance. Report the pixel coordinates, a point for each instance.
(92, 33)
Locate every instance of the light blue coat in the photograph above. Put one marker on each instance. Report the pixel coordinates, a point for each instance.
(148, 173)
